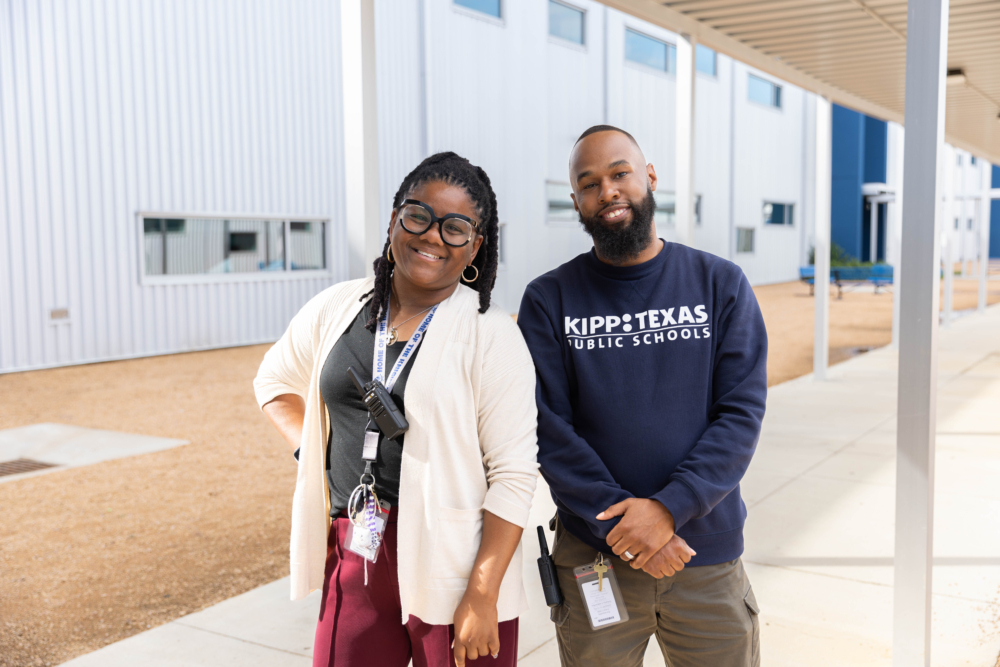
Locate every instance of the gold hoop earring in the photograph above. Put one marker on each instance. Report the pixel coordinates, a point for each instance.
(388, 253)
(476, 277)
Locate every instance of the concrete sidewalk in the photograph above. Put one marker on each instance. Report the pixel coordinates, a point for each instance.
(819, 536)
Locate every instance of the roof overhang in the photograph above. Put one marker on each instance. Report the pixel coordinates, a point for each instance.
(851, 52)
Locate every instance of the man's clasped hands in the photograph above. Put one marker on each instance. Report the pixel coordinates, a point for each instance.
(646, 532)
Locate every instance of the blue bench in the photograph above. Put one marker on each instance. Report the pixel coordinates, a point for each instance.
(879, 275)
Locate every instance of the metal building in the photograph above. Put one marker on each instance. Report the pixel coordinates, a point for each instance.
(513, 92)
(203, 135)
(177, 176)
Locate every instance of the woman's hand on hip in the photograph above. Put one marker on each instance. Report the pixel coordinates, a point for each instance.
(476, 631)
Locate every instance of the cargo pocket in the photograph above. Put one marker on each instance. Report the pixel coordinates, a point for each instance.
(559, 614)
(753, 611)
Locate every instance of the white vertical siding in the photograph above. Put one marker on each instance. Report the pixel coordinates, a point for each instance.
(768, 153)
(109, 107)
(513, 99)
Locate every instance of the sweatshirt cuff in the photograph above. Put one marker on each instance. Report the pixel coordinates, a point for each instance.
(680, 501)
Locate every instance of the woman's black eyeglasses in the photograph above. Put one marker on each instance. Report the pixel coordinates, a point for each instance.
(417, 217)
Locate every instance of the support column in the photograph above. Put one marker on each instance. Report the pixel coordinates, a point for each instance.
(926, 58)
(948, 261)
(873, 230)
(360, 99)
(824, 175)
(984, 234)
(948, 233)
(894, 220)
(684, 141)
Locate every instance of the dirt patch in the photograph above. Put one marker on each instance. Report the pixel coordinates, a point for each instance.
(92, 555)
(859, 321)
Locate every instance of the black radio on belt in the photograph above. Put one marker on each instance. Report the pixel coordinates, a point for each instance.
(381, 406)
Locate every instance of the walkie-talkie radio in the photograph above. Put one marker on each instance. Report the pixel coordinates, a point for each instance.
(381, 406)
(547, 570)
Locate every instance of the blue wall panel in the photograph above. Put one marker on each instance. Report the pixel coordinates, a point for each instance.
(848, 174)
(995, 217)
(876, 149)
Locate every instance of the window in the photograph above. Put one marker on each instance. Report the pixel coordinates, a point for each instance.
(778, 214)
(744, 239)
(560, 205)
(650, 52)
(502, 243)
(972, 160)
(565, 22)
(956, 223)
(969, 224)
(959, 157)
(764, 92)
(200, 246)
(173, 225)
(242, 241)
(704, 59)
(697, 209)
(665, 208)
(488, 7)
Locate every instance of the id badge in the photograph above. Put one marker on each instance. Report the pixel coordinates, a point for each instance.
(362, 541)
(603, 599)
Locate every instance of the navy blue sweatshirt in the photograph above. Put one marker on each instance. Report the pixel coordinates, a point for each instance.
(652, 381)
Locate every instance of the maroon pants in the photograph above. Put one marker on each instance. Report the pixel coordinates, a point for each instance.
(362, 625)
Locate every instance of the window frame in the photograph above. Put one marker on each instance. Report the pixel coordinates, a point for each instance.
(715, 61)
(642, 67)
(217, 278)
(774, 225)
(562, 41)
(557, 222)
(482, 16)
(502, 245)
(774, 87)
(753, 237)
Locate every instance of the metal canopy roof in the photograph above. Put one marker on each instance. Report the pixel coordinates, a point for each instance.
(851, 51)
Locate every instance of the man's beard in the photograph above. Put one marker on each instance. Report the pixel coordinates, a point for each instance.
(617, 243)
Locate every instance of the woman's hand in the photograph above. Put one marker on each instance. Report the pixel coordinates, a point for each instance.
(476, 632)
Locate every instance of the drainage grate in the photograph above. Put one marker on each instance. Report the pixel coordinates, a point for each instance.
(18, 466)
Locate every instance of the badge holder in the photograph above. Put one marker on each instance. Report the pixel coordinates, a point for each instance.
(600, 593)
(368, 519)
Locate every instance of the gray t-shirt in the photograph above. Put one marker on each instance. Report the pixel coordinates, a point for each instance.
(348, 415)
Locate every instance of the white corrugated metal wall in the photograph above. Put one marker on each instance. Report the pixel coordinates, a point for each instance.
(513, 99)
(110, 107)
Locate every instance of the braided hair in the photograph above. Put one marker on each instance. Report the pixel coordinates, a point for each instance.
(455, 170)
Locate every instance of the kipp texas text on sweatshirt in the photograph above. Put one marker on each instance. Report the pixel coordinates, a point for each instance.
(652, 381)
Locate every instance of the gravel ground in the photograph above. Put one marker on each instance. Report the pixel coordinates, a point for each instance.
(89, 556)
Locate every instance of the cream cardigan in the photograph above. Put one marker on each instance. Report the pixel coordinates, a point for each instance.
(471, 446)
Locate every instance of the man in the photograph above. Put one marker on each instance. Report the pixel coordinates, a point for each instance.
(651, 362)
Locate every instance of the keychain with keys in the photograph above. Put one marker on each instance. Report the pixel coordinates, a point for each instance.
(600, 568)
(600, 593)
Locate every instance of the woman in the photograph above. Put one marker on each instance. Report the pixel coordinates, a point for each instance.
(459, 491)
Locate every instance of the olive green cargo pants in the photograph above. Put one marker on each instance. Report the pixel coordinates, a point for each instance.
(702, 616)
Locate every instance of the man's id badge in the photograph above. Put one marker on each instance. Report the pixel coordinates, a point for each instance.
(600, 593)
(365, 537)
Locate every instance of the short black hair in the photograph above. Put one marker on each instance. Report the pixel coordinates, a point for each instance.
(604, 128)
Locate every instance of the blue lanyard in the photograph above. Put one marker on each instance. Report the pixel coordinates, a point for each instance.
(378, 364)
